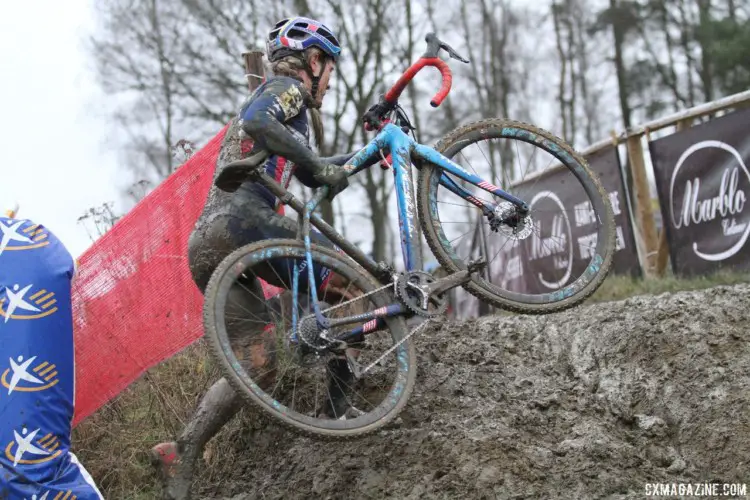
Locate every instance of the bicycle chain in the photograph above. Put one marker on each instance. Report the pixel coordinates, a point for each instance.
(395, 346)
(348, 302)
(392, 348)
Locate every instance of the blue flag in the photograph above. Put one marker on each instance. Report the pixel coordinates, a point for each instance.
(37, 373)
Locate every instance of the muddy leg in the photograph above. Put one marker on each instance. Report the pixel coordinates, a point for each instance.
(247, 316)
(340, 377)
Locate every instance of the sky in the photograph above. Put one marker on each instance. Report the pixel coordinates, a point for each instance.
(54, 132)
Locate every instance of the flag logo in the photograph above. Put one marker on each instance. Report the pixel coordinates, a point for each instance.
(14, 236)
(46, 448)
(26, 303)
(24, 375)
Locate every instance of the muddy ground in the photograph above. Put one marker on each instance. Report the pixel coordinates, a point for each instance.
(595, 402)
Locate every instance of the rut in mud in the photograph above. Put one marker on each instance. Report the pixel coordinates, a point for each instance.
(592, 402)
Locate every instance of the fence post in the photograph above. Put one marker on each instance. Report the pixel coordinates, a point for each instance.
(662, 254)
(643, 201)
(254, 70)
(12, 212)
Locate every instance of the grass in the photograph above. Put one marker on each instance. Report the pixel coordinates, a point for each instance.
(622, 287)
(113, 443)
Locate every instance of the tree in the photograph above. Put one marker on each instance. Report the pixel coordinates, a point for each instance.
(178, 65)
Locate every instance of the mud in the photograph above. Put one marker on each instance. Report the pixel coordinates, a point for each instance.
(590, 403)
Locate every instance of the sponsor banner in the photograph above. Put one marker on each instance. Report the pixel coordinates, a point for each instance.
(703, 180)
(564, 233)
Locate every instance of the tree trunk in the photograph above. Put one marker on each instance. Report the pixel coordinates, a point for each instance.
(622, 85)
(166, 86)
(704, 39)
(685, 39)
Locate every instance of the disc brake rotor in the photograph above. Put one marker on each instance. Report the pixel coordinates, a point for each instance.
(510, 222)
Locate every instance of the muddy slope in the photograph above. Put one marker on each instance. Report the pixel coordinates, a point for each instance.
(590, 403)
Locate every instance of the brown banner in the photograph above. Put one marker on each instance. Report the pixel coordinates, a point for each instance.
(559, 248)
(703, 179)
(606, 164)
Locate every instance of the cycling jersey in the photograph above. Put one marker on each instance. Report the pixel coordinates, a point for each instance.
(273, 118)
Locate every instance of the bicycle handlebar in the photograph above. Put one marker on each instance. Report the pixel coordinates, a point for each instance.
(393, 94)
(374, 117)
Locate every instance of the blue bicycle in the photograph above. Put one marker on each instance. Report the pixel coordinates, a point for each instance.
(338, 332)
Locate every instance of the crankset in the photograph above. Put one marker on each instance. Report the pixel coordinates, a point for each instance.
(424, 295)
(411, 288)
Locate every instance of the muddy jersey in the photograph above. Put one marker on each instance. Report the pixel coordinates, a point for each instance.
(276, 115)
(278, 102)
(283, 100)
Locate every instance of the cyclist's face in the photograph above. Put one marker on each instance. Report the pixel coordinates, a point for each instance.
(328, 67)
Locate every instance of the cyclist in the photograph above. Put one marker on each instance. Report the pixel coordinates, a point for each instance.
(303, 54)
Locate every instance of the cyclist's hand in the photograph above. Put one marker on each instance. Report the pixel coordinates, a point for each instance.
(333, 176)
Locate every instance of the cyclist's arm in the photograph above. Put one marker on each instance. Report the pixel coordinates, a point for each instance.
(344, 159)
(338, 159)
(264, 119)
(306, 177)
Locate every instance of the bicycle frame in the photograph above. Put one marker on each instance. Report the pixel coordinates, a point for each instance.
(404, 151)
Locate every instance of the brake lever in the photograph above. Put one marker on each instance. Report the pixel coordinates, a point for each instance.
(452, 53)
(434, 44)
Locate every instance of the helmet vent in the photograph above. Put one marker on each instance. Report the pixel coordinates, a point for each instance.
(296, 34)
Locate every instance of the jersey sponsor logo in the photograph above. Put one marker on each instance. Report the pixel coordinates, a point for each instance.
(290, 101)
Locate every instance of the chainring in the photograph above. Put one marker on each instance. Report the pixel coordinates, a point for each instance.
(407, 289)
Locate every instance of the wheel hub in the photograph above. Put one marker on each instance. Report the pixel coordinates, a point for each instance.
(508, 219)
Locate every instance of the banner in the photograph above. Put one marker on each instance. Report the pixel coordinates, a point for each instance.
(565, 230)
(703, 182)
(606, 164)
(134, 300)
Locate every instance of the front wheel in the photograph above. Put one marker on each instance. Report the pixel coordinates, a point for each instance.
(548, 260)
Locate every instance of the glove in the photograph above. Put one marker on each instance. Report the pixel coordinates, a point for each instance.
(333, 176)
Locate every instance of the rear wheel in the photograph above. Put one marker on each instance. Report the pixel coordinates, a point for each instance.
(285, 370)
(535, 264)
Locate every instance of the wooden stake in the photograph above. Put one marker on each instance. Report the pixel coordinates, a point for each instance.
(644, 209)
(254, 70)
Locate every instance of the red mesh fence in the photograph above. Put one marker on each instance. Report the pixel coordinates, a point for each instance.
(134, 301)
